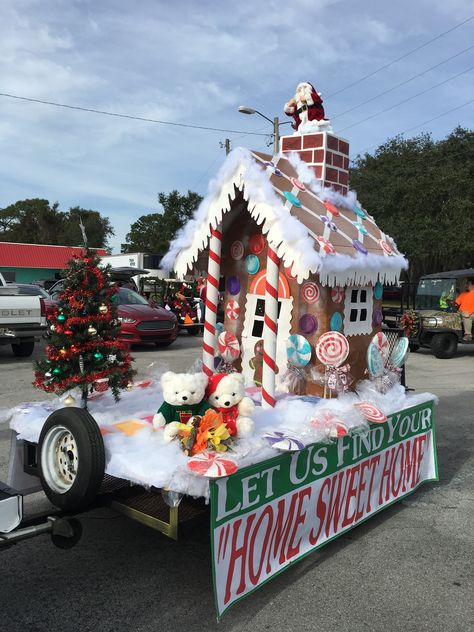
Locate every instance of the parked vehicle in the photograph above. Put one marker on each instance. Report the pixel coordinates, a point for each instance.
(145, 265)
(435, 322)
(22, 318)
(139, 321)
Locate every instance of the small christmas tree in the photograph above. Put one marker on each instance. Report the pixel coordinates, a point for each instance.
(83, 348)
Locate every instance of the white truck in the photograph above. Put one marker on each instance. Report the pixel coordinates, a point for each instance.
(140, 260)
(22, 319)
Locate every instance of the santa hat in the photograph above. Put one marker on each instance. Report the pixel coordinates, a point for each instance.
(213, 382)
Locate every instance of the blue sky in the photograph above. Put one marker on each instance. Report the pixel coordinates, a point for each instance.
(195, 62)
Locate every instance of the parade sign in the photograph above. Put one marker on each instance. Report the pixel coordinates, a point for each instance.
(271, 514)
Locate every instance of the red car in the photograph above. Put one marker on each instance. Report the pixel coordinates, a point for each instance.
(139, 321)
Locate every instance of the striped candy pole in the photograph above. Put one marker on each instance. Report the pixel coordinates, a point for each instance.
(270, 329)
(212, 299)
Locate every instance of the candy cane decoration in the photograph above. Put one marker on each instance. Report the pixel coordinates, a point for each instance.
(270, 329)
(212, 299)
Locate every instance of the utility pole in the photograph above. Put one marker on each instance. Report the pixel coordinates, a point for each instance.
(225, 145)
(276, 136)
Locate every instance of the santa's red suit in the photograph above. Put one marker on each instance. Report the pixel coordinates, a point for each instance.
(305, 106)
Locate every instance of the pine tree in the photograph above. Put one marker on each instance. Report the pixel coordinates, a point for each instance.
(83, 349)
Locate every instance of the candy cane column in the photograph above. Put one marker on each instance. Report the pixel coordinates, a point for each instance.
(212, 299)
(270, 329)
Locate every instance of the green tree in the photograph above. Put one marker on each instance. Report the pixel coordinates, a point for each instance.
(39, 222)
(421, 192)
(30, 221)
(98, 229)
(83, 350)
(153, 232)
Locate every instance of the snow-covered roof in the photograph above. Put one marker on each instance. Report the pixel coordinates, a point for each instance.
(312, 229)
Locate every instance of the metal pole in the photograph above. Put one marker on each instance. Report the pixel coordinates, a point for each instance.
(227, 146)
(276, 136)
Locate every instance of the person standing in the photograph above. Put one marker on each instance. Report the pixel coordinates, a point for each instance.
(465, 303)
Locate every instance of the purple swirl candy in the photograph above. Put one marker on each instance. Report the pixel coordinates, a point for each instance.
(377, 317)
(308, 324)
(233, 285)
(360, 247)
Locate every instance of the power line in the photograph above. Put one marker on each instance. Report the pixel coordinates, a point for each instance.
(420, 125)
(126, 116)
(398, 85)
(374, 72)
(418, 94)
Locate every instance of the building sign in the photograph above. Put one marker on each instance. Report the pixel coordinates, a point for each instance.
(271, 514)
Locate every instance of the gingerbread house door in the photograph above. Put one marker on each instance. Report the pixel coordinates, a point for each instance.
(252, 333)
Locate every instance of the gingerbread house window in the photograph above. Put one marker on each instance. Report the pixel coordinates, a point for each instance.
(358, 311)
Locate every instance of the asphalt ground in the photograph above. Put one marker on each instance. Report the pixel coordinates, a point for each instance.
(409, 568)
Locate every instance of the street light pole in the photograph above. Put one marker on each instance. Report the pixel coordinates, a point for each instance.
(276, 126)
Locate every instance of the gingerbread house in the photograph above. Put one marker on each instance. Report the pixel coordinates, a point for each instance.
(298, 257)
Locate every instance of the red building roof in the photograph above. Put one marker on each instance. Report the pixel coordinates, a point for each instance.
(38, 256)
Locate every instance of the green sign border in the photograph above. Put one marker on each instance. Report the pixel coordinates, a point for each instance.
(281, 458)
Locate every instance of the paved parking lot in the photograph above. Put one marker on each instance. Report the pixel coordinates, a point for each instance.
(408, 568)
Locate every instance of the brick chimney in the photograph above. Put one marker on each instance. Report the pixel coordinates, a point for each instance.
(325, 153)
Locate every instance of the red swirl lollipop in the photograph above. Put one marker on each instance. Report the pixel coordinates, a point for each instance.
(371, 412)
(332, 348)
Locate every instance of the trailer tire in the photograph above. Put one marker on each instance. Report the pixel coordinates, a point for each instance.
(71, 459)
(444, 346)
(414, 347)
(23, 349)
(193, 330)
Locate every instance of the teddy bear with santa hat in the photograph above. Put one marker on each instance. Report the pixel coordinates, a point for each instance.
(226, 394)
(306, 107)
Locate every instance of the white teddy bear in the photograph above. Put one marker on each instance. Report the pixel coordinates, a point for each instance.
(183, 395)
(226, 394)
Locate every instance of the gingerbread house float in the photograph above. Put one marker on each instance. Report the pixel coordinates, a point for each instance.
(298, 257)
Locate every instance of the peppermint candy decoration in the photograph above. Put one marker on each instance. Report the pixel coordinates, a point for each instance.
(337, 294)
(310, 292)
(332, 348)
(325, 245)
(283, 442)
(297, 184)
(232, 310)
(385, 247)
(211, 465)
(228, 346)
(371, 412)
(361, 228)
(273, 167)
(298, 350)
(399, 354)
(375, 362)
(292, 199)
(380, 341)
(237, 250)
(332, 209)
(331, 225)
(328, 423)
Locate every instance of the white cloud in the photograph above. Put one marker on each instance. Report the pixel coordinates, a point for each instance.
(194, 62)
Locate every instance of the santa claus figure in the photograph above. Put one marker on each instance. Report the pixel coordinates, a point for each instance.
(306, 107)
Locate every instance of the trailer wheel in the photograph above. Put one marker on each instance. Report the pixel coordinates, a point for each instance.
(193, 330)
(71, 458)
(444, 346)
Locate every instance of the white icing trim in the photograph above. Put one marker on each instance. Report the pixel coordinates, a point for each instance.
(290, 239)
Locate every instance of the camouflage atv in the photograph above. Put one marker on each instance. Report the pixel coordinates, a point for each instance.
(435, 322)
